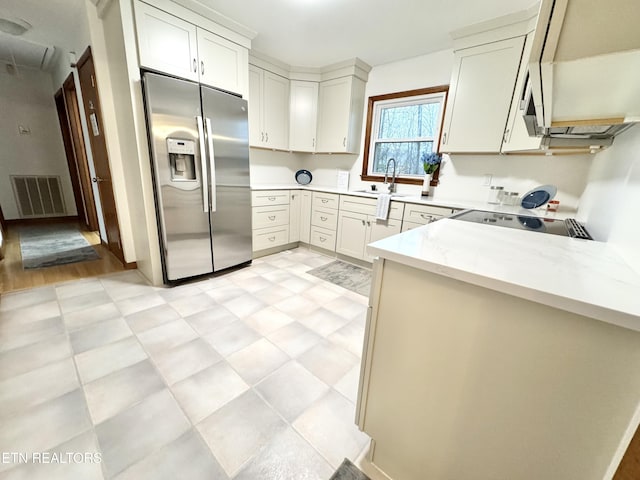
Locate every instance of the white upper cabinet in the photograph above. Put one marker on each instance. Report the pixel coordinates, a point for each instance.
(172, 45)
(480, 95)
(166, 43)
(516, 137)
(303, 116)
(340, 108)
(223, 64)
(268, 109)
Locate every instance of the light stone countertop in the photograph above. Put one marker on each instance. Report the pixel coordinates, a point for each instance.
(562, 213)
(585, 277)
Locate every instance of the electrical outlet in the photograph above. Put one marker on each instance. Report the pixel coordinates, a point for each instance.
(486, 180)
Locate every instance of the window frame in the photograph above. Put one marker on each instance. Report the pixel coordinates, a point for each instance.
(371, 105)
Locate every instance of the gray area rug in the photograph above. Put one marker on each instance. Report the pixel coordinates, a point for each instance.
(351, 277)
(348, 471)
(48, 245)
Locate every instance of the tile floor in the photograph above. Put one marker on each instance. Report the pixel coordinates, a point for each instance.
(250, 375)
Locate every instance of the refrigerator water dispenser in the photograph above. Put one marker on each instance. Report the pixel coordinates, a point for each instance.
(182, 159)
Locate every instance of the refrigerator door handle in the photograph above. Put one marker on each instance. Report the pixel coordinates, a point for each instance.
(203, 164)
(212, 164)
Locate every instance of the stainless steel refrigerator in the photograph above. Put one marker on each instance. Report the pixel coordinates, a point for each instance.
(200, 163)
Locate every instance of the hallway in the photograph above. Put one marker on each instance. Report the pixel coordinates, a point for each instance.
(14, 277)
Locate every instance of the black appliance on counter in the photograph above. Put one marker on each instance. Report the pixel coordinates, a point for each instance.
(567, 227)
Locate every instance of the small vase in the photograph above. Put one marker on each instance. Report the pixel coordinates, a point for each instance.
(426, 184)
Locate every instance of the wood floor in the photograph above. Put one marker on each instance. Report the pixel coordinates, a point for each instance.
(14, 277)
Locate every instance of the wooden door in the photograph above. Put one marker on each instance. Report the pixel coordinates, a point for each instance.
(93, 113)
(80, 152)
(70, 154)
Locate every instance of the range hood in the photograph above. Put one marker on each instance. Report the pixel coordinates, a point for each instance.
(584, 72)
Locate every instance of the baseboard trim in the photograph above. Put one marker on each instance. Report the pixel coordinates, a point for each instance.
(40, 220)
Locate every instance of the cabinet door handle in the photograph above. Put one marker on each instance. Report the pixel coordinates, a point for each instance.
(195, 65)
(201, 67)
(313, 142)
(368, 223)
(324, 200)
(444, 138)
(272, 199)
(429, 218)
(505, 137)
(262, 136)
(266, 136)
(322, 239)
(272, 217)
(324, 219)
(272, 239)
(362, 223)
(344, 142)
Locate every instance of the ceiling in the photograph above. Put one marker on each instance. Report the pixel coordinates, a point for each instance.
(55, 23)
(314, 33)
(306, 33)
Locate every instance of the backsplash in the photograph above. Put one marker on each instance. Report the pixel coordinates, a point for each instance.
(609, 206)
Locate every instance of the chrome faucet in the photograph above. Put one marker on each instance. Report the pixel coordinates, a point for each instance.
(392, 187)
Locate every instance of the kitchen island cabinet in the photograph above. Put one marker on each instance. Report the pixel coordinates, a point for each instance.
(498, 354)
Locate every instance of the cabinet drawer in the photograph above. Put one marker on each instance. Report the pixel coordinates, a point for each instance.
(270, 216)
(325, 218)
(270, 237)
(323, 238)
(410, 226)
(424, 214)
(261, 198)
(326, 200)
(367, 206)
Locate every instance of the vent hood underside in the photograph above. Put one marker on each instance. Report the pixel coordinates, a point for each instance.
(584, 70)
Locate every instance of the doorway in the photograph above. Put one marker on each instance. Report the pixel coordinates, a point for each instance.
(69, 117)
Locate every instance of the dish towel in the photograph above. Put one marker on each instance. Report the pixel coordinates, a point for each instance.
(382, 207)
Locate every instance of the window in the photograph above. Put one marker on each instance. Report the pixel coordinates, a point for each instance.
(404, 126)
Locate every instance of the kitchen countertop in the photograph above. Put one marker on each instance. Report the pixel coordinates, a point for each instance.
(580, 276)
(562, 213)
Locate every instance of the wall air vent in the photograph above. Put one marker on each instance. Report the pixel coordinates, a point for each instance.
(38, 196)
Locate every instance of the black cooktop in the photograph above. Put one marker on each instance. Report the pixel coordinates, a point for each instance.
(566, 228)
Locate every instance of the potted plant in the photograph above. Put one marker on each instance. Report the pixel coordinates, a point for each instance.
(431, 163)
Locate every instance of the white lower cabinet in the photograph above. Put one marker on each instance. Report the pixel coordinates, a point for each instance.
(305, 216)
(416, 215)
(324, 220)
(358, 226)
(294, 215)
(270, 218)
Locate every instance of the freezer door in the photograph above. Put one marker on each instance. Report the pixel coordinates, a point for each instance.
(180, 175)
(228, 145)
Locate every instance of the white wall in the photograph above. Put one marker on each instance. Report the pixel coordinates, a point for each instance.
(610, 204)
(27, 99)
(269, 167)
